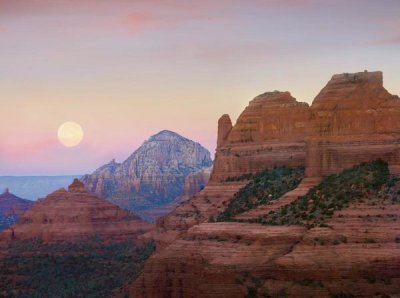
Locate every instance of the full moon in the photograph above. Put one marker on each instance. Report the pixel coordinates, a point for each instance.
(70, 134)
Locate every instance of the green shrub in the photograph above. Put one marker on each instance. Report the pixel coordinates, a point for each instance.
(334, 193)
(263, 188)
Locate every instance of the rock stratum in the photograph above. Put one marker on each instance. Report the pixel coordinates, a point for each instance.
(353, 119)
(270, 132)
(335, 238)
(74, 215)
(11, 208)
(164, 171)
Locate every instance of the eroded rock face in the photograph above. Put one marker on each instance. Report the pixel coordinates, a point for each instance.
(353, 120)
(358, 254)
(74, 215)
(154, 175)
(11, 208)
(270, 132)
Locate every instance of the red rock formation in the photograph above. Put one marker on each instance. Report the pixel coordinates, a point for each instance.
(74, 215)
(359, 253)
(353, 120)
(270, 132)
(224, 128)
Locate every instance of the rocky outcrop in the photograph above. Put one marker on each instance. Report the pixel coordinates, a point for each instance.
(154, 175)
(353, 120)
(11, 208)
(355, 253)
(74, 215)
(358, 255)
(270, 132)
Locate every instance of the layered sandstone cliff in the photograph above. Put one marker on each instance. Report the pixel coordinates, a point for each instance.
(353, 120)
(154, 175)
(354, 253)
(74, 215)
(270, 132)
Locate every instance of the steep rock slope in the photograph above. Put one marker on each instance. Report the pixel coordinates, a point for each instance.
(11, 208)
(304, 259)
(353, 120)
(74, 215)
(154, 175)
(354, 251)
(257, 142)
(270, 132)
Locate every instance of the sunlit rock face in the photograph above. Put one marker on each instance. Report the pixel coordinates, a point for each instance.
(154, 175)
(74, 215)
(353, 120)
(270, 132)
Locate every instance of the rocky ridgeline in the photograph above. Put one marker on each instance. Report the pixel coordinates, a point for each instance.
(270, 132)
(352, 120)
(352, 249)
(74, 215)
(166, 168)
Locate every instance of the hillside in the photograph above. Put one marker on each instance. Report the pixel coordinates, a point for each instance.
(166, 168)
(72, 244)
(11, 208)
(333, 233)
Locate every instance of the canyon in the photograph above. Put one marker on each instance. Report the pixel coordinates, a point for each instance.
(166, 170)
(302, 201)
(345, 243)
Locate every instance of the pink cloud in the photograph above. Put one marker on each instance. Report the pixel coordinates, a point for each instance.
(136, 22)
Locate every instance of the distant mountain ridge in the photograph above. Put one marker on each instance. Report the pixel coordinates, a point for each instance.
(154, 175)
(35, 187)
(11, 208)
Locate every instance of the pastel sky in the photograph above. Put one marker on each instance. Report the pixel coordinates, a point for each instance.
(125, 70)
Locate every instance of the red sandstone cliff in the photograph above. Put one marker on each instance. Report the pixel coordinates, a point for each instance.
(353, 120)
(270, 132)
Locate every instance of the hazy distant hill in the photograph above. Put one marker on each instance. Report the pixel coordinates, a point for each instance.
(11, 207)
(34, 187)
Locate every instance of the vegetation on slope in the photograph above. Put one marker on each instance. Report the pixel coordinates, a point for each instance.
(90, 269)
(333, 193)
(262, 189)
